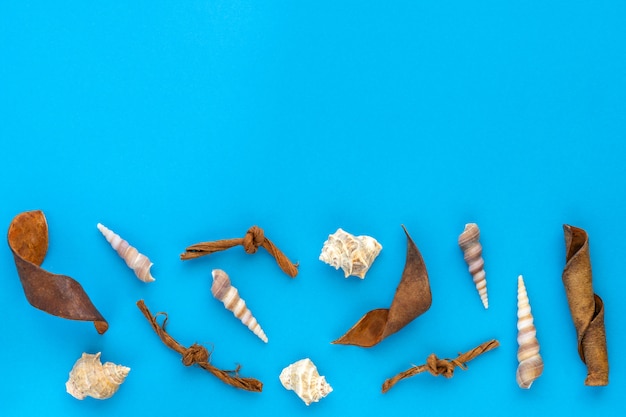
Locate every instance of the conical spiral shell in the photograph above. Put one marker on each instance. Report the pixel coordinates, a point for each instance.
(530, 363)
(135, 260)
(472, 252)
(302, 377)
(227, 294)
(354, 254)
(89, 377)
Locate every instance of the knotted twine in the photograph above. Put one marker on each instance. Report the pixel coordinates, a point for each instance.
(59, 295)
(254, 238)
(197, 354)
(412, 298)
(444, 367)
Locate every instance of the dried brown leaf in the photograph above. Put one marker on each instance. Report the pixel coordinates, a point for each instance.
(412, 298)
(586, 307)
(58, 295)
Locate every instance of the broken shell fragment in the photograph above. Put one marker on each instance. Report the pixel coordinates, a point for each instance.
(135, 260)
(89, 377)
(472, 252)
(530, 363)
(227, 294)
(354, 254)
(302, 378)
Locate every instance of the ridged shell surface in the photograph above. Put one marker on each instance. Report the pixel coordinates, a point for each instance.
(223, 290)
(139, 263)
(89, 377)
(353, 254)
(530, 362)
(302, 377)
(472, 252)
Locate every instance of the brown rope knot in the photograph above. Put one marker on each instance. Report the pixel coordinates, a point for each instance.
(253, 239)
(59, 295)
(437, 366)
(444, 367)
(195, 354)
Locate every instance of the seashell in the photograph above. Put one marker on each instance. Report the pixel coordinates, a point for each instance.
(135, 260)
(302, 377)
(530, 363)
(354, 254)
(89, 377)
(472, 252)
(227, 294)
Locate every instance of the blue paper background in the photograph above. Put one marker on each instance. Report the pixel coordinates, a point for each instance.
(179, 122)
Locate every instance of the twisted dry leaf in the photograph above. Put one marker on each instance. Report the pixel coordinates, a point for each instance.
(58, 295)
(586, 307)
(412, 299)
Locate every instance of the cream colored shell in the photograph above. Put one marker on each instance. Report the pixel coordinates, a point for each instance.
(302, 377)
(227, 294)
(139, 263)
(530, 362)
(353, 254)
(472, 252)
(89, 377)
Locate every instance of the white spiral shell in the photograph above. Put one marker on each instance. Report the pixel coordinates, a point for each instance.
(354, 254)
(302, 377)
(89, 377)
(139, 263)
(530, 363)
(227, 294)
(472, 252)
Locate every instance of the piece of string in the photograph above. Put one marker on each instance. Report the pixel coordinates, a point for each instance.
(444, 367)
(59, 295)
(254, 238)
(197, 354)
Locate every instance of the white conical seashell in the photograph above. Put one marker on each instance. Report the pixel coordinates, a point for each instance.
(302, 377)
(89, 377)
(530, 363)
(135, 260)
(227, 294)
(354, 254)
(472, 252)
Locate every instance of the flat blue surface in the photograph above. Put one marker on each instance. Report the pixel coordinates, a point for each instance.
(179, 122)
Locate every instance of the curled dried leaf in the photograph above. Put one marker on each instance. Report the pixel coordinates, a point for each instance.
(58, 295)
(586, 307)
(412, 298)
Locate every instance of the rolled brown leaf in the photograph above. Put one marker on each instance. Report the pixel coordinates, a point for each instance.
(412, 298)
(586, 307)
(58, 295)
